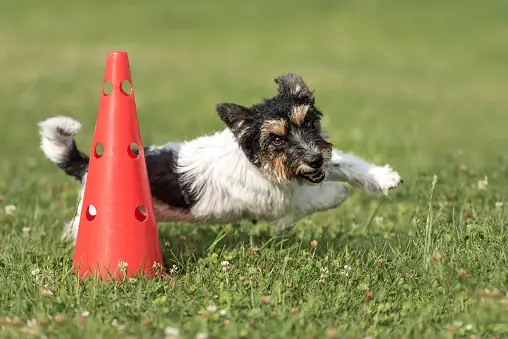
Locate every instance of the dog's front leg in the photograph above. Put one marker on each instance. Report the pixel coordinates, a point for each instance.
(360, 173)
(310, 199)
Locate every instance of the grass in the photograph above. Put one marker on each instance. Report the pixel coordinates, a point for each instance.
(421, 86)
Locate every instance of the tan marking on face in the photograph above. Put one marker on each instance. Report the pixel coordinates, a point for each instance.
(298, 114)
(273, 165)
(277, 127)
(279, 167)
(164, 212)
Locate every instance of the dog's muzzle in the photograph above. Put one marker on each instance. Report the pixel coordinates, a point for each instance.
(313, 168)
(315, 176)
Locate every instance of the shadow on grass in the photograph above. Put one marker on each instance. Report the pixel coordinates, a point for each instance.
(188, 248)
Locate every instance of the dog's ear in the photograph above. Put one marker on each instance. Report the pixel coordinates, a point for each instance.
(234, 116)
(293, 84)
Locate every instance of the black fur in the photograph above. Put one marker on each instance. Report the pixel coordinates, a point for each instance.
(164, 182)
(293, 85)
(76, 163)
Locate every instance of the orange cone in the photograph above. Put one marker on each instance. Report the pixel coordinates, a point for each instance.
(117, 234)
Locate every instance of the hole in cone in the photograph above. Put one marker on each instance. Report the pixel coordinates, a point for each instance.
(126, 87)
(133, 150)
(91, 212)
(107, 87)
(99, 150)
(140, 213)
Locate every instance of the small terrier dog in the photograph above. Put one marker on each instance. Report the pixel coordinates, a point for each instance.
(271, 163)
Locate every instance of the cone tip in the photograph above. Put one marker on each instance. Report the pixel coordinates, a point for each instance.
(117, 53)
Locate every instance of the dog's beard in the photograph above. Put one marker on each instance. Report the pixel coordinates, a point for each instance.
(313, 175)
(309, 174)
(300, 172)
(279, 169)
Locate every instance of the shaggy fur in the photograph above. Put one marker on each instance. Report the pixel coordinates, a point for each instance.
(271, 163)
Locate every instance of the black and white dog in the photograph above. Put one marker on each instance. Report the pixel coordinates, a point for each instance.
(270, 163)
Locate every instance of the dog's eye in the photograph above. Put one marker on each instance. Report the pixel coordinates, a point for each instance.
(277, 141)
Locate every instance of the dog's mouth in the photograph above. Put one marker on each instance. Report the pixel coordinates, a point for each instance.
(315, 176)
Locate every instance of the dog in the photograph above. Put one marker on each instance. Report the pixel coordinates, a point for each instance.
(271, 163)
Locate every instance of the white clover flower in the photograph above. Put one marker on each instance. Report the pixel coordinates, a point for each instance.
(9, 209)
(171, 332)
(324, 272)
(202, 335)
(211, 308)
(225, 265)
(483, 184)
(173, 270)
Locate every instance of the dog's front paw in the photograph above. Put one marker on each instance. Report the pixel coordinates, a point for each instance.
(384, 179)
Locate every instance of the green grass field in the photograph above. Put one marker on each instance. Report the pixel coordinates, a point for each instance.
(419, 85)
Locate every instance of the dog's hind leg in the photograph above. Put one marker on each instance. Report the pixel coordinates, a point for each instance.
(71, 228)
(360, 173)
(311, 199)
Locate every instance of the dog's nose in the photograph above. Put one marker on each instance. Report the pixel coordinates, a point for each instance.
(315, 160)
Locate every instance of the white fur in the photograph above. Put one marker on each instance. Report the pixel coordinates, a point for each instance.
(71, 228)
(56, 136)
(231, 188)
(360, 173)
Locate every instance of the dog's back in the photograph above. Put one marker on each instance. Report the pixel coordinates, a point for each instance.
(172, 199)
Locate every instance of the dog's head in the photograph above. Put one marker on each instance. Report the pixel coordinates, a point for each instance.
(282, 135)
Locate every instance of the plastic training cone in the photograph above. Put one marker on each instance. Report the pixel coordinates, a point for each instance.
(117, 235)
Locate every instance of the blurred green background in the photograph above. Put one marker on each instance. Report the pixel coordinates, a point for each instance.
(399, 81)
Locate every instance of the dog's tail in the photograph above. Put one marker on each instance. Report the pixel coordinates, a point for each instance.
(58, 144)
